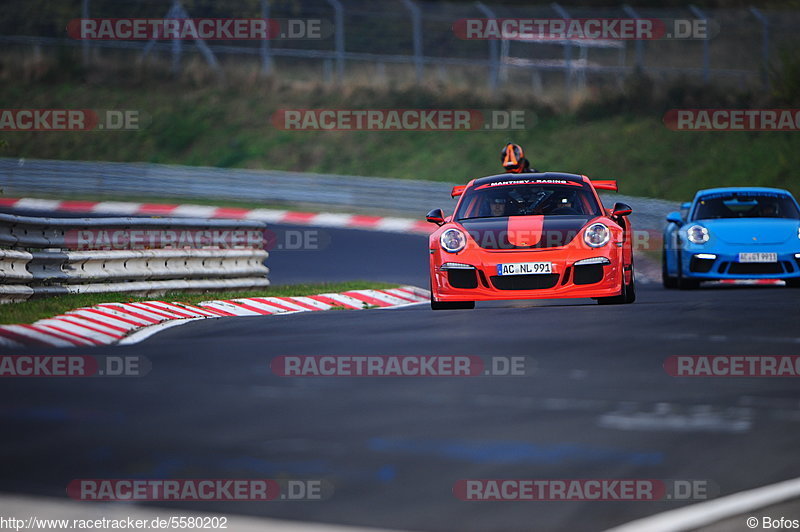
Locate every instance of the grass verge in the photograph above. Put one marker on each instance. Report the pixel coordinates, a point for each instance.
(230, 126)
(36, 309)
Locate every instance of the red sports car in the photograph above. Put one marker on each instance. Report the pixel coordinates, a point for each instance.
(531, 236)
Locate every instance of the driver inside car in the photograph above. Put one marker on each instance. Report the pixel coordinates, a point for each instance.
(562, 205)
(497, 207)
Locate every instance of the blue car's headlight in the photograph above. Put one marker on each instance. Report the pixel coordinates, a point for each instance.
(453, 240)
(697, 234)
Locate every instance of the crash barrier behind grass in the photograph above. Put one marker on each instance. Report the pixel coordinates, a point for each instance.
(83, 179)
(54, 256)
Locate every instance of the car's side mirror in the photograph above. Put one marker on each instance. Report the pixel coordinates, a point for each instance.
(675, 218)
(686, 205)
(436, 216)
(621, 209)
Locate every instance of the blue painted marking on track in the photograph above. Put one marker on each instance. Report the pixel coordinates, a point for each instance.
(511, 452)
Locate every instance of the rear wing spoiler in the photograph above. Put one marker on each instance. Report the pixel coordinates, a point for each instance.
(457, 190)
(605, 184)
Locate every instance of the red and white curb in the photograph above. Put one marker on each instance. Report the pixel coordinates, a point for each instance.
(322, 219)
(111, 323)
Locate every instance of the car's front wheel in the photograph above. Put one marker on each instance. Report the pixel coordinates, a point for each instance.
(627, 296)
(667, 280)
(450, 305)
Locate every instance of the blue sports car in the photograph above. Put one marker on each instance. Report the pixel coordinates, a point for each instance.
(733, 233)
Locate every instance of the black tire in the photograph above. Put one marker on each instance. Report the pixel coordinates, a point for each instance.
(627, 296)
(685, 284)
(667, 280)
(792, 283)
(450, 305)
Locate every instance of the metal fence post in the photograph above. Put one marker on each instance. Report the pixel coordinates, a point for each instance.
(706, 43)
(567, 50)
(266, 55)
(494, 50)
(338, 13)
(416, 24)
(639, 42)
(85, 43)
(175, 12)
(764, 44)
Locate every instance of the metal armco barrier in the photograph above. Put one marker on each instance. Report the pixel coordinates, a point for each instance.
(51, 256)
(358, 194)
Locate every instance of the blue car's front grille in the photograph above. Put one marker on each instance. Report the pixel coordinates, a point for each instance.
(756, 268)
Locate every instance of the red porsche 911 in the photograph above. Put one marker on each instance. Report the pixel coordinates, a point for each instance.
(531, 236)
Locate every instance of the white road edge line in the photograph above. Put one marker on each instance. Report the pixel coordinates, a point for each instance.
(143, 334)
(709, 512)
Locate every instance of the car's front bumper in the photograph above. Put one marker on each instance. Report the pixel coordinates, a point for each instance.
(481, 282)
(725, 265)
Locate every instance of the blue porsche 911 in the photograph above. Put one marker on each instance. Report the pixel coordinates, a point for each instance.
(733, 233)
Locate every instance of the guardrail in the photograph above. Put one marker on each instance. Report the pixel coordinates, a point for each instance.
(52, 256)
(358, 194)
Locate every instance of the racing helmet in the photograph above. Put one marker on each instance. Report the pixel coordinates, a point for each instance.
(512, 158)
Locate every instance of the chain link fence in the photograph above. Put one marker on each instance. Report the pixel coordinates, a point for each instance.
(413, 40)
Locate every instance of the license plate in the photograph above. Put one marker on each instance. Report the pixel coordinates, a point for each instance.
(758, 257)
(524, 268)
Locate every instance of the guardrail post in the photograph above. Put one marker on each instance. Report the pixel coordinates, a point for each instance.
(338, 14)
(267, 63)
(416, 23)
(706, 43)
(494, 50)
(764, 45)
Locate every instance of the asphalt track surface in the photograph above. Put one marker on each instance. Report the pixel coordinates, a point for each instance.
(595, 403)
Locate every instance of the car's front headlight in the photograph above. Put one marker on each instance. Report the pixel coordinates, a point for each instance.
(597, 235)
(697, 234)
(453, 240)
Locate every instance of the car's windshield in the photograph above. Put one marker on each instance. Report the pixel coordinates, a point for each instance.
(745, 205)
(524, 197)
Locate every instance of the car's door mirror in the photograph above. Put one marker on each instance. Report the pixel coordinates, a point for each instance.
(436, 216)
(686, 205)
(675, 218)
(621, 209)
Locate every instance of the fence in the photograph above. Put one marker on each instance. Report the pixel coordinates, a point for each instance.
(418, 36)
(51, 256)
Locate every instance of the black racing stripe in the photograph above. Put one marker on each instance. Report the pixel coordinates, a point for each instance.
(492, 233)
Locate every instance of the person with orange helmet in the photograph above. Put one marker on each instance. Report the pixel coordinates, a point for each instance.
(513, 160)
